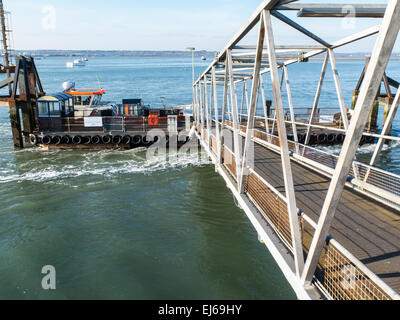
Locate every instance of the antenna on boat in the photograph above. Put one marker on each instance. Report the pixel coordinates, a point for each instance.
(163, 101)
(97, 76)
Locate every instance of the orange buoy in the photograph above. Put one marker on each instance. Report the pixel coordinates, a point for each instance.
(153, 120)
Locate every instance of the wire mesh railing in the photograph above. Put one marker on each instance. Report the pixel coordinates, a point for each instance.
(339, 275)
(271, 204)
(365, 174)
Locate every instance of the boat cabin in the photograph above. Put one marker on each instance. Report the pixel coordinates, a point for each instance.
(57, 105)
(86, 97)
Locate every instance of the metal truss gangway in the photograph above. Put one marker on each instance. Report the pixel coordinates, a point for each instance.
(332, 223)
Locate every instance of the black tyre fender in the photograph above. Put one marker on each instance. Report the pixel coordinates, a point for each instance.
(117, 139)
(56, 140)
(137, 140)
(106, 139)
(87, 140)
(66, 140)
(96, 139)
(46, 140)
(77, 140)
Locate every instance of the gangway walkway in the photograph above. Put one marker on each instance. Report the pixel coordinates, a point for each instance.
(366, 228)
(331, 223)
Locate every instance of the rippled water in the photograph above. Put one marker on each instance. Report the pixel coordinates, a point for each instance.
(117, 226)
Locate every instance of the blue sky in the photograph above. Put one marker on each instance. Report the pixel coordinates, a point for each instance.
(155, 24)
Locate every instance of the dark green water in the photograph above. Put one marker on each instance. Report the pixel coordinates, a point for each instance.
(116, 226)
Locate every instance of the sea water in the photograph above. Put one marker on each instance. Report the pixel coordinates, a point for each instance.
(117, 225)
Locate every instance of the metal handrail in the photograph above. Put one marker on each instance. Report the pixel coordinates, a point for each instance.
(354, 260)
(390, 181)
(347, 254)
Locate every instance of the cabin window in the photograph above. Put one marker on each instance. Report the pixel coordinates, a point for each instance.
(78, 100)
(63, 109)
(54, 109)
(96, 100)
(69, 106)
(86, 101)
(43, 109)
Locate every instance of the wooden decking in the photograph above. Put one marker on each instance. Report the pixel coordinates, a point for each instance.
(367, 229)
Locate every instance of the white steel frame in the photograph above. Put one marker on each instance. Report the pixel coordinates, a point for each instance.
(229, 69)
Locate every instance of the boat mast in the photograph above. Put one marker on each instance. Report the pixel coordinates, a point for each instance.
(5, 44)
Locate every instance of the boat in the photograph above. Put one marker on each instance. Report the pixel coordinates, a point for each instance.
(4, 69)
(88, 100)
(203, 58)
(78, 117)
(76, 63)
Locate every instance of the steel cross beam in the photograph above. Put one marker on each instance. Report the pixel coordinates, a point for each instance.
(338, 89)
(298, 27)
(374, 74)
(316, 99)
(266, 4)
(292, 115)
(286, 166)
(251, 111)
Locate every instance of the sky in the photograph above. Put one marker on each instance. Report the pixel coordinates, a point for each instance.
(159, 24)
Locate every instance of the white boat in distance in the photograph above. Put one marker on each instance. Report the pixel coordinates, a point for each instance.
(76, 63)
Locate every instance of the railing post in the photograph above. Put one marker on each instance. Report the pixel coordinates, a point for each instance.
(274, 121)
(199, 104)
(217, 132)
(265, 108)
(242, 102)
(201, 111)
(380, 57)
(206, 114)
(286, 166)
(223, 115)
(234, 106)
(292, 115)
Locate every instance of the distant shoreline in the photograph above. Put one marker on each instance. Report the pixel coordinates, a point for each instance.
(151, 53)
(115, 53)
(357, 56)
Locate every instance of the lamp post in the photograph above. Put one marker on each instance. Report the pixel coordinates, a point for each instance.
(192, 49)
